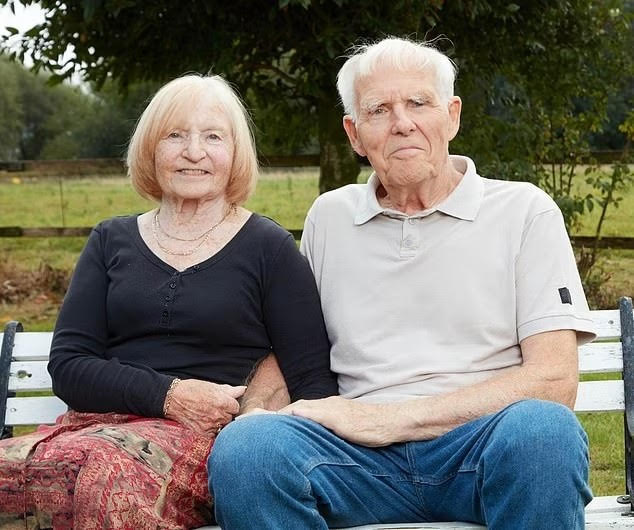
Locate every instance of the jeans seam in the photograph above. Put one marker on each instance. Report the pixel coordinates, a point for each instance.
(312, 466)
(412, 462)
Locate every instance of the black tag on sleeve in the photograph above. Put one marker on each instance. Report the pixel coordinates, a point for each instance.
(564, 294)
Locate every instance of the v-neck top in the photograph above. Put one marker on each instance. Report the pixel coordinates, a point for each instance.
(130, 322)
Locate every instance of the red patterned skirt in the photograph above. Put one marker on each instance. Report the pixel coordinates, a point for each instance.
(95, 471)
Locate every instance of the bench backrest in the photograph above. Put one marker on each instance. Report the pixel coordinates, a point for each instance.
(23, 361)
(25, 354)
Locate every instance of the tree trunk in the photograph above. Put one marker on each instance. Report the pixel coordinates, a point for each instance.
(338, 165)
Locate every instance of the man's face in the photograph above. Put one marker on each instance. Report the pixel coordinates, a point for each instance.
(403, 126)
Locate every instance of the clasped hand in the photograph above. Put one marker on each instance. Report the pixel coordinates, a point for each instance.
(361, 423)
(204, 406)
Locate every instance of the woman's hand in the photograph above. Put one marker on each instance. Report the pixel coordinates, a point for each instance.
(204, 406)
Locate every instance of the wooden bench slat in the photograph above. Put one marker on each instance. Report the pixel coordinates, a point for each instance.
(34, 410)
(607, 324)
(601, 357)
(36, 345)
(606, 505)
(29, 375)
(32, 345)
(593, 357)
(600, 396)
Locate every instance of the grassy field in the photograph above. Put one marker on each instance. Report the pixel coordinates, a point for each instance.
(282, 195)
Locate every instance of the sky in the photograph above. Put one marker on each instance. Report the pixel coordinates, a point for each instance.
(25, 18)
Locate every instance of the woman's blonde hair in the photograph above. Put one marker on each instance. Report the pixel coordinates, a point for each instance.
(172, 101)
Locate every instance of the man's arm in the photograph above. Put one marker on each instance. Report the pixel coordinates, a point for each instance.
(549, 371)
(266, 388)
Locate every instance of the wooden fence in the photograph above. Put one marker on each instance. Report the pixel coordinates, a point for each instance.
(83, 231)
(82, 167)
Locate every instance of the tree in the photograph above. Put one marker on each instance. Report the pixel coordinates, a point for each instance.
(62, 121)
(285, 55)
(285, 52)
(11, 117)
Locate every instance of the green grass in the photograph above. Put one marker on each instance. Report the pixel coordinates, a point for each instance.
(286, 197)
(618, 220)
(605, 433)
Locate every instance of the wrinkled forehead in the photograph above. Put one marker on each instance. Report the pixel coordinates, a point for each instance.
(391, 83)
(193, 106)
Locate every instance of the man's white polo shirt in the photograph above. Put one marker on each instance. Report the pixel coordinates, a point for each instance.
(428, 303)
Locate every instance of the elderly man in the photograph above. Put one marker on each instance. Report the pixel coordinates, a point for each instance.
(454, 308)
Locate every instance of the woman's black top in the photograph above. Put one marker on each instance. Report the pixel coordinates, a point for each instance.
(130, 322)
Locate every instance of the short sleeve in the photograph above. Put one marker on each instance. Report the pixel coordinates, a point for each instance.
(548, 287)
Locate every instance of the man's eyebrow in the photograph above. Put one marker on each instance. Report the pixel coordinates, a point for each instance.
(370, 104)
(422, 94)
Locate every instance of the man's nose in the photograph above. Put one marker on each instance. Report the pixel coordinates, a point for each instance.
(402, 123)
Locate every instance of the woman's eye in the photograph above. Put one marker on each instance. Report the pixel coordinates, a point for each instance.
(174, 135)
(213, 137)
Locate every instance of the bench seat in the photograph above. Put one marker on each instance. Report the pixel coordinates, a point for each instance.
(24, 356)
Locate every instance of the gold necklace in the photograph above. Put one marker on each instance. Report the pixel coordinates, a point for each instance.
(156, 226)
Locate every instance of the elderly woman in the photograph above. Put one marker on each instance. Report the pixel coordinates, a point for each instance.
(166, 316)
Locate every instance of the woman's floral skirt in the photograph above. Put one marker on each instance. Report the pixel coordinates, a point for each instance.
(97, 471)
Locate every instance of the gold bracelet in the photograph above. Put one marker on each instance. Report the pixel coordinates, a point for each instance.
(168, 396)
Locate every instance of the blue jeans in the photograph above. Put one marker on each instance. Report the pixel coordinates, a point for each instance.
(525, 467)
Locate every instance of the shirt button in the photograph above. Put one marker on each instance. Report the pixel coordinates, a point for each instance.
(407, 242)
(172, 285)
(411, 221)
(165, 313)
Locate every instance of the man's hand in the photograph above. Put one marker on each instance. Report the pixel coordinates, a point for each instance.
(204, 406)
(361, 423)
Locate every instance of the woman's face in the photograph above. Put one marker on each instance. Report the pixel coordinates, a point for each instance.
(194, 157)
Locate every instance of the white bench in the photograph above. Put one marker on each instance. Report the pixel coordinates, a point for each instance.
(24, 356)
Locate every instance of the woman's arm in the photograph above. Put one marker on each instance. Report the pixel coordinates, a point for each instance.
(295, 324)
(81, 374)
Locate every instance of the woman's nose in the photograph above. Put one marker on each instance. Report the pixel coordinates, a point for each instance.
(194, 149)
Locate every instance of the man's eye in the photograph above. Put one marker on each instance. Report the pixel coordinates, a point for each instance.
(377, 111)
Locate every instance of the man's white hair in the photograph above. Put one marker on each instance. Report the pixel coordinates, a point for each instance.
(400, 54)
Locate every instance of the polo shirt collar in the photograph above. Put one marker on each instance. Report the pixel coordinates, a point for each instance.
(463, 202)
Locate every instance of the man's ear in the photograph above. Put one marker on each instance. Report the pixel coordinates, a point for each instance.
(351, 130)
(454, 107)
